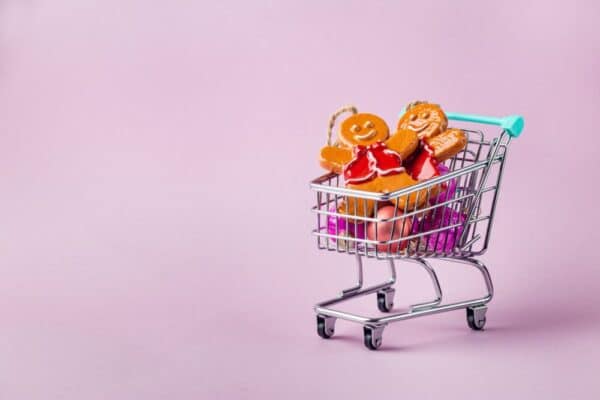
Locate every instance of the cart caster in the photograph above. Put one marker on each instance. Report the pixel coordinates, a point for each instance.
(385, 299)
(372, 336)
(325, 326)
(476, 317)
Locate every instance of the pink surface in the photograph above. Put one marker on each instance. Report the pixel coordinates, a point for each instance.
(154, 203)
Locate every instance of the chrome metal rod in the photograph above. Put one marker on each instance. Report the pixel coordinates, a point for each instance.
(356, 290)
(432, 310)
(364, 292)
(434, 280)
(491, 158)
(484, 272)
(400, 316)
(359, 283)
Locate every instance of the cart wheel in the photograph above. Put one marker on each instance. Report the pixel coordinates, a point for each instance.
(325, 326)
(476, 317)
(372, 336)
(385, 299)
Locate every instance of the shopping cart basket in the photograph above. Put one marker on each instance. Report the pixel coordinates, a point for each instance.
(456, 227)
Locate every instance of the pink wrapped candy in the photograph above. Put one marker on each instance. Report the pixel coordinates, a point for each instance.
(448, 187)
(384, 230)
(339, 226)
(440, 217)
(443, 241)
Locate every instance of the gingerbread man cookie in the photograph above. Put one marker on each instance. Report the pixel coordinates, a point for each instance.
(438, 143)
(430, 123)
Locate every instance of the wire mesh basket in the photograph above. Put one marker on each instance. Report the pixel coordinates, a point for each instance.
(452, 215)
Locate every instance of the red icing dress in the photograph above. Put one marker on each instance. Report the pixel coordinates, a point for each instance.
(424, 166)
(372, 161)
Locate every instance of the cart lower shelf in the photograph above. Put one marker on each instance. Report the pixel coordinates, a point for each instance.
(373, 326)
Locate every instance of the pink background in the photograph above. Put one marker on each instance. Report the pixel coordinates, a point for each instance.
(154, 203)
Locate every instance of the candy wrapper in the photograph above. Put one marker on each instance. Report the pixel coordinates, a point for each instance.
(446, 240)
(448, 189)
(443, 241)
(339, 226)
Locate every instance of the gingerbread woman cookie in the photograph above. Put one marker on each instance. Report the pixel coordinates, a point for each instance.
(370, 160)
(361, 129)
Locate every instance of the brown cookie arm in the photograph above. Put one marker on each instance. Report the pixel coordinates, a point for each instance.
(334, 158)
(447, 144)
(404, 142)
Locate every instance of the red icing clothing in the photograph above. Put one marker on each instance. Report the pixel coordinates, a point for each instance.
(372, 161)
(424, 165)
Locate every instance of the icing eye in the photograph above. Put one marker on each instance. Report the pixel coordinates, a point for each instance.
(413, 117)
(425, 115)
(369, 125)
(355, 128)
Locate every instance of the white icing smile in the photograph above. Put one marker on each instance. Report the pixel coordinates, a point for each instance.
(368, 135)
(418, 128)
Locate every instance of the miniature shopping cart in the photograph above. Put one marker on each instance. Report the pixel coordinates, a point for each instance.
(454, 228)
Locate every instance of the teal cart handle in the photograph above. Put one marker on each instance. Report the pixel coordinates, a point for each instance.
(513, 124)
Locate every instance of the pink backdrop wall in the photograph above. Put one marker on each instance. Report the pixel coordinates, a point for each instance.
(154, 200)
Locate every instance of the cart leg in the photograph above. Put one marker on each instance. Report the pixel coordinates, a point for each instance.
(476, 315)
(484, 272)
(385, 296)
(436, 286)
(359, 282)
(373, 336)
(357, 288)
(486, 277)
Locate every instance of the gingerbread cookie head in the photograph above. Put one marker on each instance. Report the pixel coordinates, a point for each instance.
(426, 119)
(363, 129)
